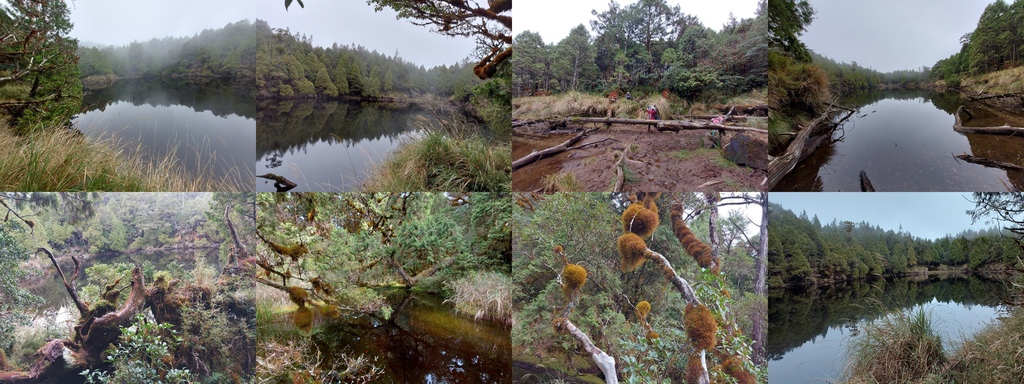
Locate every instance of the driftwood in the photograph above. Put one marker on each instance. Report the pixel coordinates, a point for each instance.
(282, 184)
(620, 173)
(988, 162)
(537, 155)
(667, 125)
(604, 361)
(865, 183)
(1003, 130)
(783, 164)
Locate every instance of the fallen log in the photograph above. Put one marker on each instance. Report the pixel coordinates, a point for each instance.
(537, 155)
(1003, 130)
(865, 183)
(667, 125)
(282, 184)
(783, 164)
(988, 162)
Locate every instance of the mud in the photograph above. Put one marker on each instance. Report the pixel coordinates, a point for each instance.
(671, 162)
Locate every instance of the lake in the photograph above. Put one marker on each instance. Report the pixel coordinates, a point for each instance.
(330, 145)
(809, 330)
(209, 129)
(423, 341)
(904, 141)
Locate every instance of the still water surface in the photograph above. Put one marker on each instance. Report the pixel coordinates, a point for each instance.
(904, 141)
(210, 129)
(330, 145)
(809, 331)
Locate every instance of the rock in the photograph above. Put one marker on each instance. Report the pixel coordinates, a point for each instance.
(744, 150)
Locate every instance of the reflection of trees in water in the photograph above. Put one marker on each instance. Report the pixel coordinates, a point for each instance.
(946, 101)
(222, 98)
(795, 317)
(1002, 148)
(285, 126)
(412, 350)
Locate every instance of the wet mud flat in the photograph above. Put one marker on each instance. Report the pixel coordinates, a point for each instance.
(671, 161)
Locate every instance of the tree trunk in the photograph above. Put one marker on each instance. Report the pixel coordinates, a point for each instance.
(783, 164)
(760, 289)
(1003, 130)
(537, 155)
(234, 236)
(712, 199)
(605, 362)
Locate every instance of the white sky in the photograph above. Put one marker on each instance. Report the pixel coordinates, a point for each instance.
(113, 22)
(554, 19)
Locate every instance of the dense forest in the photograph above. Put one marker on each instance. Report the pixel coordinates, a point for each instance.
(226, 53)
(289, 66)
(39, 85)
(131, 317)
(328, 260)
(690, 287)
(804, 252)
(994, 45)
(646, 47)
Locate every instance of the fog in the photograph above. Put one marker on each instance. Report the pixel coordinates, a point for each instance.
(109, 22)
(891, 35)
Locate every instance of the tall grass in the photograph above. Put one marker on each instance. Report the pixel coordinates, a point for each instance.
(584, 104)
(1005, 81)
(65, 160)
(994, 355)
(486, 295)
(900, 347)
(452, 157)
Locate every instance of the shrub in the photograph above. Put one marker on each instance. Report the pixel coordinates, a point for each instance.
(486, 295)
(140, 357)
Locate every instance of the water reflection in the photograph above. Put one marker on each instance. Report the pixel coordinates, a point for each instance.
(809, 329)
(330, 145)
(424, 342)
(904, 141)
(209, 128)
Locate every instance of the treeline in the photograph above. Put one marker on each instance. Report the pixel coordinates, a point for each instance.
(227, 53)
(844, 77)
(643, 47)
(994, 45)
(121, 222)
(804, 252)
(289, 66)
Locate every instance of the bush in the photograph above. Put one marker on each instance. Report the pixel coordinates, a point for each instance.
(140, 357)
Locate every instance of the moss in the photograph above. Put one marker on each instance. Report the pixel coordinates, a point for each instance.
(162, 279)
(651, 335)
(558, 249)
(700, 326)
(573, 278)
(733, 367)
(726, 294)
(631, 252)
(694, 369)
(303, 318)
(639, 220)
(330, 311)
(102, 307)
(642, 309)
(298, 295)
(649, 199)
(694, 247)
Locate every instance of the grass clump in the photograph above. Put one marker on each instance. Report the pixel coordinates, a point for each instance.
(440, 162)
(994, 355)
(65, 160)
(486, 295)
(898, 348)
(1004, 81)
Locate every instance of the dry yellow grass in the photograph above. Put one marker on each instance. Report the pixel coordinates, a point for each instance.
(65, 160)
(1005, 81)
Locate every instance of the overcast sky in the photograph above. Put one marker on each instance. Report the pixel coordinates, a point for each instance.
(930, 215)
(891, 35)
(553, 19)
(120, 22)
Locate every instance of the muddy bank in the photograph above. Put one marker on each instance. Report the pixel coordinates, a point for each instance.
(670, 161)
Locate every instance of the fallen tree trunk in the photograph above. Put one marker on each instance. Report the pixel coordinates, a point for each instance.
(282, 184)
(781, 165)
(988, 162)
(865, 183)
(537, 155)
(1003, 130)
(667, 125)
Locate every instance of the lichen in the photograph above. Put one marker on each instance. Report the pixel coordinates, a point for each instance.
(642, 309)
(573, 278)
(700, 326)
(639, 220)
(631, 252)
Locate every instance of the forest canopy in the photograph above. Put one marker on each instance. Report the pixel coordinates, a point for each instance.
(647, 46)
